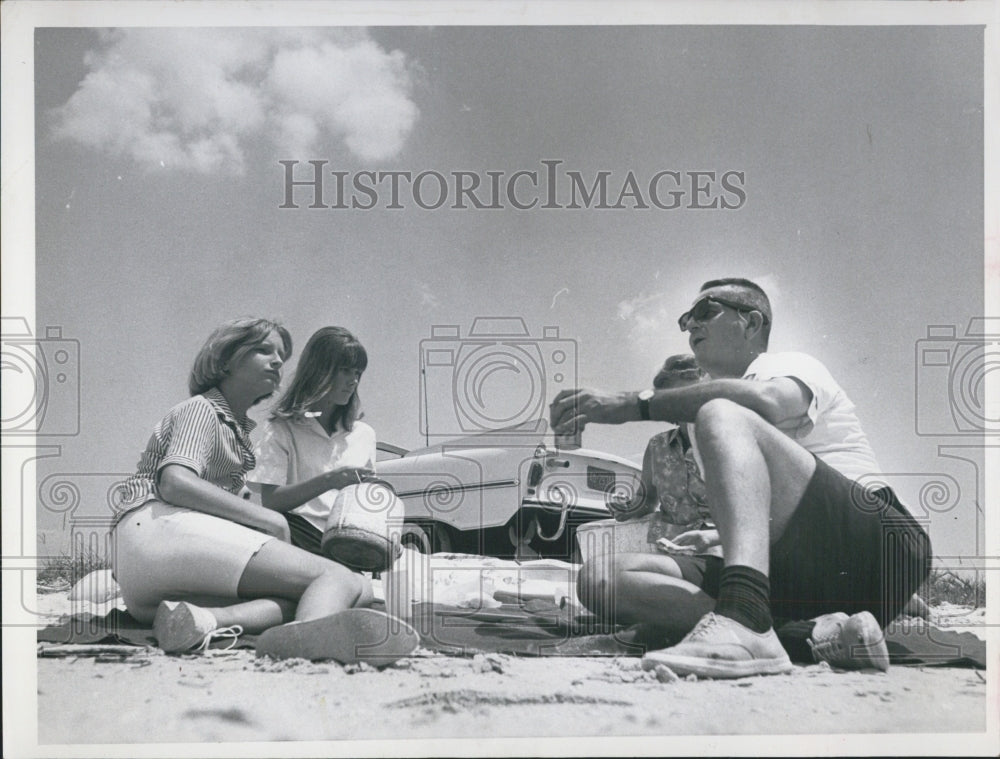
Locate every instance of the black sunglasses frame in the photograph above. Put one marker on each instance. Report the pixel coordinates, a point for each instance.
(688, 316)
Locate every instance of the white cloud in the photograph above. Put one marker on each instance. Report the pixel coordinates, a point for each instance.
(652, 326)
(428, 299)
(198, 99)
(354, 92)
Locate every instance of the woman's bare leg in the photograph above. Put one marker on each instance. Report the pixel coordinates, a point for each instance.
(254, 616)
(320, 587)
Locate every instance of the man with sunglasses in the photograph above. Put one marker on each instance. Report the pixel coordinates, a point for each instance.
(782, 452)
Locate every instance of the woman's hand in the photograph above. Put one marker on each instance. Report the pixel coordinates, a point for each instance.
(342, 476)
(284, 498)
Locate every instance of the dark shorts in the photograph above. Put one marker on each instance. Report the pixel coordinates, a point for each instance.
(703, 571)
(844, 549)
(304, 535)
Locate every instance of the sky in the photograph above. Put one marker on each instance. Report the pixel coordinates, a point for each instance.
(854, 161)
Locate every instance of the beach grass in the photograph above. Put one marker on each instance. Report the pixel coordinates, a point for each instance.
(68, 569)
(945, 586)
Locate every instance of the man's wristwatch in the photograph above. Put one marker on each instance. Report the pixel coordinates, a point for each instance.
(644, 397)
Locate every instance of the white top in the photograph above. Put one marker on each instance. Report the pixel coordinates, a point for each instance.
(295, 450)
(830, 429)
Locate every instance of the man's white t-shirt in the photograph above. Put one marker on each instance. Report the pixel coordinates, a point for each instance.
(830, 429)
(294, 450)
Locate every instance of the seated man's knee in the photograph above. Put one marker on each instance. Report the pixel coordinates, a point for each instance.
(591, 575)
(601, 581)
(716, 419)
(594, 582)
(717, 411)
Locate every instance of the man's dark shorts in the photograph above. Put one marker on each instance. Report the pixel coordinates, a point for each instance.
(844, 549)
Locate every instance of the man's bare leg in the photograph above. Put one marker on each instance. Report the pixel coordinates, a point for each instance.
(634, 588)
(755, 478)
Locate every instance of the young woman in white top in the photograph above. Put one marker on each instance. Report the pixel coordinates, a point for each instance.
(314, 443)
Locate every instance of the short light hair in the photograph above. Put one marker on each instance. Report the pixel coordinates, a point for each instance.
(228, 344)
(756, 293)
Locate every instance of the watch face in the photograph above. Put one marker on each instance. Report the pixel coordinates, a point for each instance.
(645, 395)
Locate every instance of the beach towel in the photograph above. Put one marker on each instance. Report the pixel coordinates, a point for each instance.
(535, 628)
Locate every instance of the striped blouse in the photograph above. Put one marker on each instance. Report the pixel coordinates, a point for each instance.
(200, 433)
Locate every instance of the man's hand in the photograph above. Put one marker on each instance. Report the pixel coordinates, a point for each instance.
(572, 410)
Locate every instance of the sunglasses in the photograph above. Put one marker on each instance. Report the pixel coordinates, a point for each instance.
(708, 308)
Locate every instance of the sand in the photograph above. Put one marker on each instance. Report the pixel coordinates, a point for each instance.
(237, 697)
(233, 696)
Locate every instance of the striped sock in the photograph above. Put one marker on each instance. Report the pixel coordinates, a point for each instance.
(744, 596)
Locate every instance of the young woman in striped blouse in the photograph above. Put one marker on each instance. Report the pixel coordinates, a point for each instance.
(198, 561)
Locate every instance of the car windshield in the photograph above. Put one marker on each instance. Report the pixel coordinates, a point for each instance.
(388, 452)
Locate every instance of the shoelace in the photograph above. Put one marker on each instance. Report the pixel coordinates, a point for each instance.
(233, 632)
(707, 622)
(833, 648)
(830, 647)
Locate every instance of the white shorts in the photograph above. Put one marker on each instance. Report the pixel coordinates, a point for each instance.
(168, 553)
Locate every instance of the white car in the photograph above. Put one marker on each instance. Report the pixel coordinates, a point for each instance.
(496, 494)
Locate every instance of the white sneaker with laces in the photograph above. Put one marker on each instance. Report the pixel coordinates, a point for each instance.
(180, 626)
(854, 642)
(720, 647)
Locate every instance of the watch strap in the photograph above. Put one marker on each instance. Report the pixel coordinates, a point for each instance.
(644, 407)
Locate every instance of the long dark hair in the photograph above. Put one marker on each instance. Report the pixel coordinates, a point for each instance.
(329, 350)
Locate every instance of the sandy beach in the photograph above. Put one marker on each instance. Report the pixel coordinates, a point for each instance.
(234, 696)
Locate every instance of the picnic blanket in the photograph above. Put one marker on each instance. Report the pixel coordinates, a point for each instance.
(535, 628)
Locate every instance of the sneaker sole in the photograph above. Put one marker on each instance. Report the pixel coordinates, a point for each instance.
(354, 635)
(717, 669)
(870, 652)
(174, 627)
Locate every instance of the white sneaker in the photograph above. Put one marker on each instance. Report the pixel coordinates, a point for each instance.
(854, 642)
(180, 626)
(720, 647)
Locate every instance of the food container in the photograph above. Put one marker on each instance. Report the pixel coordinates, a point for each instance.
(357, 530)
(607, 536)
(569, 441)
